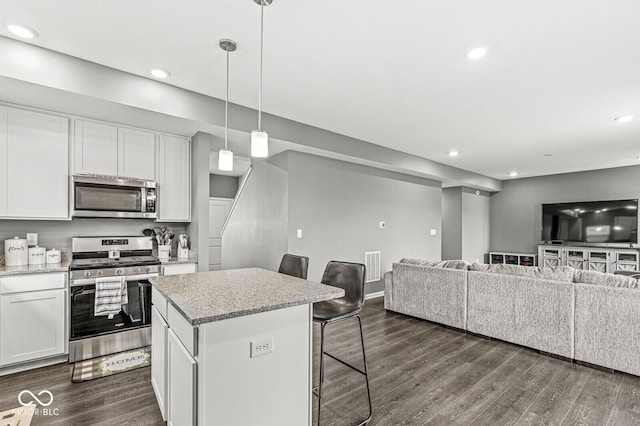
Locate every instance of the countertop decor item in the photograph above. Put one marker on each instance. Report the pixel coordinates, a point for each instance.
(37, 255)
(183, 247)
(16, 252)
(54, 256)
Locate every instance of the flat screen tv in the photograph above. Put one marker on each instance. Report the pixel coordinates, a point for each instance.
(591, 222)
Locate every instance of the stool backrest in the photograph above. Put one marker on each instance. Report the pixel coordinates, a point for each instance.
(348, 276)
(294, 265)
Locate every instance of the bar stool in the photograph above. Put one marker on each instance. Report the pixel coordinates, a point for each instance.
(350, 277)
(294, 265)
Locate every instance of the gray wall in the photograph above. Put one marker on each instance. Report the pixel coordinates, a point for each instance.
(198, 229)
(465, 224)
(452, 223)
(223, 186)
(339, 206)
(256, 235)
(516, 215)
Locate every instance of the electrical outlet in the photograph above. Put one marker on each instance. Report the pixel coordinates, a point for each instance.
(261, 347)
(433, 232)
(299, 233)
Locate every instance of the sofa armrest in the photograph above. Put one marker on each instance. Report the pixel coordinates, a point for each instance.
(606, 327)
(388, 290)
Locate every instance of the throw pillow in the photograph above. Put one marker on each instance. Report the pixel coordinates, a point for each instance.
(594, 277)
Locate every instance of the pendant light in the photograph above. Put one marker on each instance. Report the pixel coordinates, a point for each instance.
(260, 139)
(225, 156)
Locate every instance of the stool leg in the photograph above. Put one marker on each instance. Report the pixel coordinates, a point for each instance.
(366, 372)
(321, 369)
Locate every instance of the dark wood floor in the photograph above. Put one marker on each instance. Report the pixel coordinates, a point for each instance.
(421, 373)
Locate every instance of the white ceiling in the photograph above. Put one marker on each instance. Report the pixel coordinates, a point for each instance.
(393, 73)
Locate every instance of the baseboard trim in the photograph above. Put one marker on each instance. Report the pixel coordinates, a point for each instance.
(374, 295)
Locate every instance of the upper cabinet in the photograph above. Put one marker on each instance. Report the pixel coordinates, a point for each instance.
(34, 165)
(136, 153)
(104, 149)
(174, 179)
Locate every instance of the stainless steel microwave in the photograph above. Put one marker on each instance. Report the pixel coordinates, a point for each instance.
(110, 196)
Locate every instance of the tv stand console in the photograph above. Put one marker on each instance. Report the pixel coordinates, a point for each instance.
(599, 259)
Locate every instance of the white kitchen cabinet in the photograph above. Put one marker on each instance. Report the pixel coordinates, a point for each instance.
(179, 268)
(34, 165)
(32, 323)
(174, 179)
(159, 336)
(95, 148)
(105, 149)
(181, 395)
(136, 153)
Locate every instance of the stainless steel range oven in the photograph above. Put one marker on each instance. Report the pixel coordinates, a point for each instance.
(110, 259)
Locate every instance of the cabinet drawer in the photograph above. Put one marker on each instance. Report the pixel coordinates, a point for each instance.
(32, 282)
(159, 302)
(179, 268)
(183, 329)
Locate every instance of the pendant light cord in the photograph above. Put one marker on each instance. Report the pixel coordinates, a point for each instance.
(261, 50)
(226, 107)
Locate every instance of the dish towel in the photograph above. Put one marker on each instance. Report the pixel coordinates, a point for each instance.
(111, 294)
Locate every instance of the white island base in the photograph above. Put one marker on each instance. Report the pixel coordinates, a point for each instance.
(269, 389)
(252, 369)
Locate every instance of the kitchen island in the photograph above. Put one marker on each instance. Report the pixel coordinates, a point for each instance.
(234, 347)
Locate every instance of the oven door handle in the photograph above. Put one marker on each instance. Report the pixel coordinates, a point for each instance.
(89, 281)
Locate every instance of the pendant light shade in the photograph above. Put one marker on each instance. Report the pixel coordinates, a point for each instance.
(260, 138)
(225, 156)
(225, 160)
(259, 144)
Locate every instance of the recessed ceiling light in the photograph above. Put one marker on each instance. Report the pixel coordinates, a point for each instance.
(160, 73)
(22, 31)
(477, 53)
(453, 153)
(512, 174)
(624, 118)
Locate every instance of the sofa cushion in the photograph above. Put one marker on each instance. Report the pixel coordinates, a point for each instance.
(558, 273)
(594, 277)
(451, 264)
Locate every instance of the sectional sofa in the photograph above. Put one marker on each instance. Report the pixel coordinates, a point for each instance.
(581, 315)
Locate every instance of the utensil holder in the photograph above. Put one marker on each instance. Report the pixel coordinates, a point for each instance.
(164, 252)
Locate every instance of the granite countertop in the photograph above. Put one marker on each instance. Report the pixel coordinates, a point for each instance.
(217, 295)
(176, 261)
(35, 269)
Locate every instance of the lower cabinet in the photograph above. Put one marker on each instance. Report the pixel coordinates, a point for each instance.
(32, 323)
(173, 368)
(181, 395)
(159, 331)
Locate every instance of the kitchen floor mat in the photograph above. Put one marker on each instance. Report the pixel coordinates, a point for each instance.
(95, 368)
(20, 416)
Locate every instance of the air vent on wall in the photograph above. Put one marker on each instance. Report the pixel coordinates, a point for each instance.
(372, 262)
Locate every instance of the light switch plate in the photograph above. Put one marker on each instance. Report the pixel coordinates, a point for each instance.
(382, 225)
(261, 347)
(433, 232)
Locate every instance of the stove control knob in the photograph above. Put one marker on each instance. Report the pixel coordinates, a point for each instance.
(100, 273)
(119, 271)
(137, 270)
(147, 269)
(87, 274)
